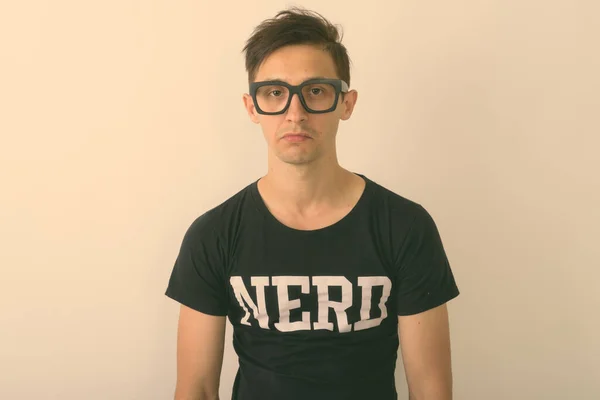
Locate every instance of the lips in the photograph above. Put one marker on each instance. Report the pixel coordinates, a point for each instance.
(296, 135)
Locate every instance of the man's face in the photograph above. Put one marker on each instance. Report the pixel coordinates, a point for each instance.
(315, 132)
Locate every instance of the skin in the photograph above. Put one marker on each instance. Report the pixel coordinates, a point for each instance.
(425, 346)
(305, 188)
(200, 348)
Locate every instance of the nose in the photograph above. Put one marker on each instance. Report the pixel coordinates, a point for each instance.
(296, 111)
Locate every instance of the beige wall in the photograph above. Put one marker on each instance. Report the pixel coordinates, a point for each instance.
(121, 121)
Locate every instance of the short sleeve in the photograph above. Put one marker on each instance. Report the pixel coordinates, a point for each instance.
(424, 277)
(197, 279)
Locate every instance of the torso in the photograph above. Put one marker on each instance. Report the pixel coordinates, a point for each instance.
(313, 301)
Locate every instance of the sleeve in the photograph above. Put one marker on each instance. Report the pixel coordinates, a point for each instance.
(197, 279)
(424, 278)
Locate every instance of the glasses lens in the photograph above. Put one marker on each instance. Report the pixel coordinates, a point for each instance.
(318, 97)
(272, 98)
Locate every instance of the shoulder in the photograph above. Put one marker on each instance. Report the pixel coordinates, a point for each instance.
(401, 219)
(396, 206)
(216, 220)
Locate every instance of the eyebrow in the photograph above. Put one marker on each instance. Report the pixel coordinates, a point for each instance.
(283, 80)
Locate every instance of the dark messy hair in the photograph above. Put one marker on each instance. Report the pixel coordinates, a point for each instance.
(296, 26)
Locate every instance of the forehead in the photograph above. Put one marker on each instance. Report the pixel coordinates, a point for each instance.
(297, 63)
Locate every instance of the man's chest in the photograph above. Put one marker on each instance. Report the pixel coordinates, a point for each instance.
(338, 284)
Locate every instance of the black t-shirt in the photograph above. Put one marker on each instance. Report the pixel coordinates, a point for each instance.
(315, 312)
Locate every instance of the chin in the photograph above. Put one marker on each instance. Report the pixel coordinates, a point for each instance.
(294, 160)
(297, 159)
(300, 155)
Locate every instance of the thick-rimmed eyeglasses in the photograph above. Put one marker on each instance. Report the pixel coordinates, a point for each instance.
(318, 96)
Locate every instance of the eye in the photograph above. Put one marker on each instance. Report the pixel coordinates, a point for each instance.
(316, 91)
(276, 93)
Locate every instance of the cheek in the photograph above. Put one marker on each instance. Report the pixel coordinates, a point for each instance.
(327, 127)
(270, 128)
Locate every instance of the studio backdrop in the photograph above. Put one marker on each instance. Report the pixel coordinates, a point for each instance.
(122, 121)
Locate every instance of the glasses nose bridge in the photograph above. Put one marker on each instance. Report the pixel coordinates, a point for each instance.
(298, 91)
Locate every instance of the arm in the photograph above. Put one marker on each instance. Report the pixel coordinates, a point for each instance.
(200, 344)
(425, 346)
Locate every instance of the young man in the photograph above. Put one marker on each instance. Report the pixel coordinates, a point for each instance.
(322, 272)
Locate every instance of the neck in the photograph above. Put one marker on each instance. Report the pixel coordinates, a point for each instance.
(304, 188)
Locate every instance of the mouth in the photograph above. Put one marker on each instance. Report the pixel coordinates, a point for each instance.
(296, 135)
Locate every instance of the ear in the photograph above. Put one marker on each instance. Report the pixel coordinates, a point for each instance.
(348, 104)
(250, 109)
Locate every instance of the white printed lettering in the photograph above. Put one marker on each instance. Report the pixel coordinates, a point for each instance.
(324, 303)
(285, 304)
(323, 283)
(367, 283)
(241, 294)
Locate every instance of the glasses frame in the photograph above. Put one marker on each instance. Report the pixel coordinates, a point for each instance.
(339, 85)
